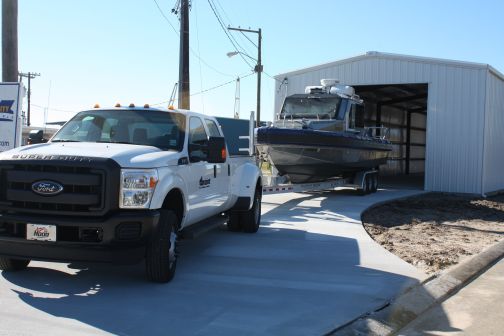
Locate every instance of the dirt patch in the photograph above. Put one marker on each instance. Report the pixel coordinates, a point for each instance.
(434, 231)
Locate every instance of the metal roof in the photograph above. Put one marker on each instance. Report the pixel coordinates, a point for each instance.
(376, 54)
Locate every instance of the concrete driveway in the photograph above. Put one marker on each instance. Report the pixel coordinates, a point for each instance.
(309, 269)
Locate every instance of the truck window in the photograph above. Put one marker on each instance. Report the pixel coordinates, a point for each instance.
(212, 128)
(164, 130)
(198, 140)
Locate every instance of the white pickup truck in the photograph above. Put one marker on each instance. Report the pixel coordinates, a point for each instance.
(120, 185)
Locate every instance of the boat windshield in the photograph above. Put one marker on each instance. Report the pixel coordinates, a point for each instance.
(164, 130)
(311, 107)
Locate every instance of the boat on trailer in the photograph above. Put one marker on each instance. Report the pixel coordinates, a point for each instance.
(319, 135)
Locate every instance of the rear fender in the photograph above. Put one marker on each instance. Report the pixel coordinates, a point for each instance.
(244, 182)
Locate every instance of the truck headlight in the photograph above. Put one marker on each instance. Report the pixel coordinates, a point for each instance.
(137, 188)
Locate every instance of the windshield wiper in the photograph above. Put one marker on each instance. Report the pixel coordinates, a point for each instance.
(65, 140)
(116, 142)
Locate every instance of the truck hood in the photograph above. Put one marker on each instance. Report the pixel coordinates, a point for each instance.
(127, 156)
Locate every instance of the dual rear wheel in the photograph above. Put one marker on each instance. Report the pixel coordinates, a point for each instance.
(370, 184)
(247, 221)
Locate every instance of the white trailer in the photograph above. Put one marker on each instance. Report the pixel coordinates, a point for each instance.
(365, 182)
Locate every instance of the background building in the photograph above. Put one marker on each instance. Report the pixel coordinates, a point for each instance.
(446, 118)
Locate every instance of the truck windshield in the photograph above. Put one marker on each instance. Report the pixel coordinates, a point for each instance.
(312, 107)
(164, 130)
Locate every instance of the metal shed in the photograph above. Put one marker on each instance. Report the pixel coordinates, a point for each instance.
(446, 118)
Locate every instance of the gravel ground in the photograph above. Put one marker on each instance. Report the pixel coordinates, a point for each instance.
(434, 231)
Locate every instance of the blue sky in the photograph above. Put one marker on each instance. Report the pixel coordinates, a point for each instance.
(125, 51)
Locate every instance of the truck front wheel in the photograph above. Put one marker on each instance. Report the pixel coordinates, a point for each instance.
(8, 264)
(161, 256)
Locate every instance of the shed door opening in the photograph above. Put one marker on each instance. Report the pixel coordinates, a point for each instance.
(402, 108)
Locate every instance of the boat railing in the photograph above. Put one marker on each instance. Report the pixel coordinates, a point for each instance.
(377, 132)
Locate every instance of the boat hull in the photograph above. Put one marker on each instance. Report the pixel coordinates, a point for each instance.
(312, 155)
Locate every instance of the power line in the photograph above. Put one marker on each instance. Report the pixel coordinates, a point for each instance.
(165, 17)
(191, 49)
(221, 85)
(278, 80)
(230, 23)
(223, 25)
(224, 11)
(53, 109)
(209, 89)
(248, 38)
(235, 45)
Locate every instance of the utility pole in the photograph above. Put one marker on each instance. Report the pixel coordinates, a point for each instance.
(9, 41)
(258, 68)
(184, 87)
(30, 76)
(237, 99)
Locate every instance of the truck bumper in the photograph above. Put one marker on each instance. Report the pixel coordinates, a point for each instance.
(118, 238)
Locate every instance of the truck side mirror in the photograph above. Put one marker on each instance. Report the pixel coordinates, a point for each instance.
(35, 137)
(216, 150)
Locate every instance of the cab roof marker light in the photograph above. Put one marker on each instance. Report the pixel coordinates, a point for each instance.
(146, 106)
(96, 106)
(131, 105)
(117, 105)
(170, 107)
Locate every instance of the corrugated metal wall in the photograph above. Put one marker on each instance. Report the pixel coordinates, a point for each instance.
(455, 114)
(493, 176)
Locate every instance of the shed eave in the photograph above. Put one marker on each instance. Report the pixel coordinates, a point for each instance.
(376, 54)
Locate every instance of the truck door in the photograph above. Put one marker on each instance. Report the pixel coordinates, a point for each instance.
(201, 184)
(221, 170)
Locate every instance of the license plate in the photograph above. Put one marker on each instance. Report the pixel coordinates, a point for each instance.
(41, 232)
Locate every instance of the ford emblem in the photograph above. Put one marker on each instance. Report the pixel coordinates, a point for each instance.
(47, 188)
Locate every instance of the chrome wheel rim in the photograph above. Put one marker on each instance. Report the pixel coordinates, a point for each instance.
(172, 256)
(257, 212)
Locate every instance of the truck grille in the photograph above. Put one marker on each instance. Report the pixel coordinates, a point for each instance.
(83, 188)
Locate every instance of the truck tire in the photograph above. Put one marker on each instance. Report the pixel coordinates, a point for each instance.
(234, 222)
(161, 254)
(251, 219)
(8, 264)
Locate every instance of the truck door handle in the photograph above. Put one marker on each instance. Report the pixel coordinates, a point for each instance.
(215, 171)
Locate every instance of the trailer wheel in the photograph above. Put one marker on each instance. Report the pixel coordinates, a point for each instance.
(234, 222)
(161, 256)
(251, 219)
(9, 265)
(366, 186)
(375, 183)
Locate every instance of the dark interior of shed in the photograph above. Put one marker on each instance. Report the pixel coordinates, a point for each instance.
(402, 108)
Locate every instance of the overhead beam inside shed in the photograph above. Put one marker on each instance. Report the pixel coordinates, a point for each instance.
(403, 99)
